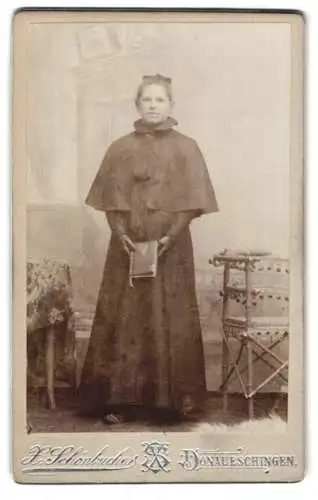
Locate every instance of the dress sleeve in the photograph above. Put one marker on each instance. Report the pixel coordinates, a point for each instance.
(116, 221)
(181, 220)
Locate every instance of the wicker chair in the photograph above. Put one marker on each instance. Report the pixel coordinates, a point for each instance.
(260, 279)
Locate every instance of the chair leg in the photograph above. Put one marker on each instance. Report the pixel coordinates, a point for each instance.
(250, 379)
(225, 348)
(225, 371)
(50, 366)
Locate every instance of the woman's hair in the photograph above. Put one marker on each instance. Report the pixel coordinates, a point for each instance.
(154, 79)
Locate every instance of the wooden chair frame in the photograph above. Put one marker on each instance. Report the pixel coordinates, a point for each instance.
(247, 332)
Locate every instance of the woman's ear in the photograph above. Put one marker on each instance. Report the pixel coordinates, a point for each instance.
(137, 107)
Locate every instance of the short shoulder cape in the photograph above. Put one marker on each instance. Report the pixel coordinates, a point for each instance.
(183, 185)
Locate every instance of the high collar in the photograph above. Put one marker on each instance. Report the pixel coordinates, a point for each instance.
(143, 127)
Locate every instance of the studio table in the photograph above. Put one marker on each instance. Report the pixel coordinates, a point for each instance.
(50, 326)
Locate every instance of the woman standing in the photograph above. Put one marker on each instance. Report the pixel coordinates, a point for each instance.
(145, 348)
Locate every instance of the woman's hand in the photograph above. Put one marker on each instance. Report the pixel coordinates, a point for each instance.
(127, 244)
(164, 244)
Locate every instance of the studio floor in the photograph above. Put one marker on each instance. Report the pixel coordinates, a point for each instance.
(66, 419)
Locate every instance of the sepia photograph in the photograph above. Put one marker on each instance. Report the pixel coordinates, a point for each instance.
(161, 239)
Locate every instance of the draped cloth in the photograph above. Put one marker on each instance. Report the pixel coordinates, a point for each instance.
(145, 346)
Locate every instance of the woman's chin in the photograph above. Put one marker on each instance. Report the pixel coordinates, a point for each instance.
(153, 120)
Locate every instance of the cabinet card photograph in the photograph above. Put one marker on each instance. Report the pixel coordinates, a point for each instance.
(157, 246)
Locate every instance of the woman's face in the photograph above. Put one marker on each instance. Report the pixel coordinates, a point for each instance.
(154, 104)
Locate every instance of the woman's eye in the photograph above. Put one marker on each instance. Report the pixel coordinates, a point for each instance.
(157, 99)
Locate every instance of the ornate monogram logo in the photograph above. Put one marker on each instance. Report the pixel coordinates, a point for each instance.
(156, 458)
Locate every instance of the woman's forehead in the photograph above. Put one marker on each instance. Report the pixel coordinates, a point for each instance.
(154, 89)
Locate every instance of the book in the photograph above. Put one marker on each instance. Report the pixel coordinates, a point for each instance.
(143, 261)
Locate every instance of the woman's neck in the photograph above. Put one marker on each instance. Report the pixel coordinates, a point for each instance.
(142, 126)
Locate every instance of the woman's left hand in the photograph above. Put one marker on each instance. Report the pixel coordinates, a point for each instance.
(164, 244)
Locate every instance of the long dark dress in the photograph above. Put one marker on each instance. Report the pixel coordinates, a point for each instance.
(145, 347)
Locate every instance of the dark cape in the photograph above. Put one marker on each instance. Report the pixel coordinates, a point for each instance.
(146, 347)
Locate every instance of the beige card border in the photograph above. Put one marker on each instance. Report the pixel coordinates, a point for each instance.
(289, 443)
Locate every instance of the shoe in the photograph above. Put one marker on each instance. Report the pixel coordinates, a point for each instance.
(112, 419)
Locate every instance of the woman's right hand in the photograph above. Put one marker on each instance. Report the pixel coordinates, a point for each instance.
(127, 244)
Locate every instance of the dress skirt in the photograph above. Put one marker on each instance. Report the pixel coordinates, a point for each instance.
(145, 347)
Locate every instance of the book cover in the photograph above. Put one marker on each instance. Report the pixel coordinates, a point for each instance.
(143, 261)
